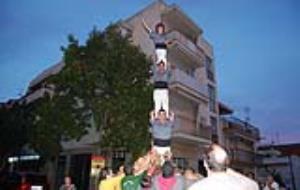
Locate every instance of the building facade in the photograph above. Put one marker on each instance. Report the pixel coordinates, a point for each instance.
(240, 138)
(282, 161)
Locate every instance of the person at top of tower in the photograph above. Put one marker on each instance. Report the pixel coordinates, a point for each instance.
(161, 78)
(161, 128)
(160, 41)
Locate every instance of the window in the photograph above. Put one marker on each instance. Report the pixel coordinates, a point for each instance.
(118, 159)
(212, 98)
(209, 69)
(190, 72)
(180, 162)
(214, 127)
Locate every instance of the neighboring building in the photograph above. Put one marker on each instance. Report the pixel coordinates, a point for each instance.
(240, 138)
(283, 160)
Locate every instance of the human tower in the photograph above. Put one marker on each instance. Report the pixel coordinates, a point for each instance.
(161, 118)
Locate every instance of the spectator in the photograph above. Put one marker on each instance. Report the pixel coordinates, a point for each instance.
(216, 164)
(167, 179)
(134, 175)
(190, 177)
(67, 184)
(111, 181)
(24, 184)
(103, 178)
(247, 182)
(271, 184)
(117, 178)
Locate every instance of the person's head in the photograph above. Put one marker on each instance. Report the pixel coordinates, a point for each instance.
(115, 170)
(23, 179)
(167, 169)
(160, 28)
(121, 169)
(162, 115)
(270, 179)
(250, 175)
(68, 180)
(139, 165)
(128, 169)
(103, 174)
(189, 172)
(216, 159)
(161, 66)
(179, 170)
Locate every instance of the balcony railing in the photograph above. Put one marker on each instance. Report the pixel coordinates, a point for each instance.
(188, 47)
(190, 82)
(243, 156)
(205, 46)
(239, 127)
(275, 160)
(200, 132)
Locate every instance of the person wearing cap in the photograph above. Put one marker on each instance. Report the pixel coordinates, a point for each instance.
(216, 163)
(161, 78)
(160, 41)
(161, 129)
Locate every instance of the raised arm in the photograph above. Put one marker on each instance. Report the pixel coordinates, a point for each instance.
(172, 116)
(152, 116)
(146, 27)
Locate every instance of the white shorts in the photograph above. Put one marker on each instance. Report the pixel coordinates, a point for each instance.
(161, 55)
(162, 150)
(161, 100)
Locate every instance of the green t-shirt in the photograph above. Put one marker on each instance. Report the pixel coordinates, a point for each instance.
(132, 182)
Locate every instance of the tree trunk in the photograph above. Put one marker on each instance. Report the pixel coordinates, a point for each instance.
(51, 166)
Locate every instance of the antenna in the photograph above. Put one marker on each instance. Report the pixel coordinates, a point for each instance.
(277, 138)
(247, 110)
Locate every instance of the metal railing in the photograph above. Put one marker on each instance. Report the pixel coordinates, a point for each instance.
(185, 42)
(181, 77)
(192, 130)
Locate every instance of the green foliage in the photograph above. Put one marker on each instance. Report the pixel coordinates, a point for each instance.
(104, 84)
(53, 120)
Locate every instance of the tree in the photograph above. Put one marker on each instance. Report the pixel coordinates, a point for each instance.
(104, 84)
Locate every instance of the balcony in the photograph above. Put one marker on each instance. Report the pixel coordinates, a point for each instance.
(205, 46)
(176, 19)
(199, 135)
(275, 160)
(184, 49)
(239, 128)
(242, 156)
(188, 84)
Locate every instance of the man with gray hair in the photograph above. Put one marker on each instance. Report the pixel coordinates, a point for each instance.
(216, 163)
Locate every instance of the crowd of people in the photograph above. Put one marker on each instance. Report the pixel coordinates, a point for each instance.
(147, 173)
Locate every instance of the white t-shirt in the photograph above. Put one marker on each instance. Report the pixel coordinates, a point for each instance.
(218, 181)
(247, 183)
(274, 185)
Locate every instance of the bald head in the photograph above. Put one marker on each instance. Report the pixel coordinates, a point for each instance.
(217, 158)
